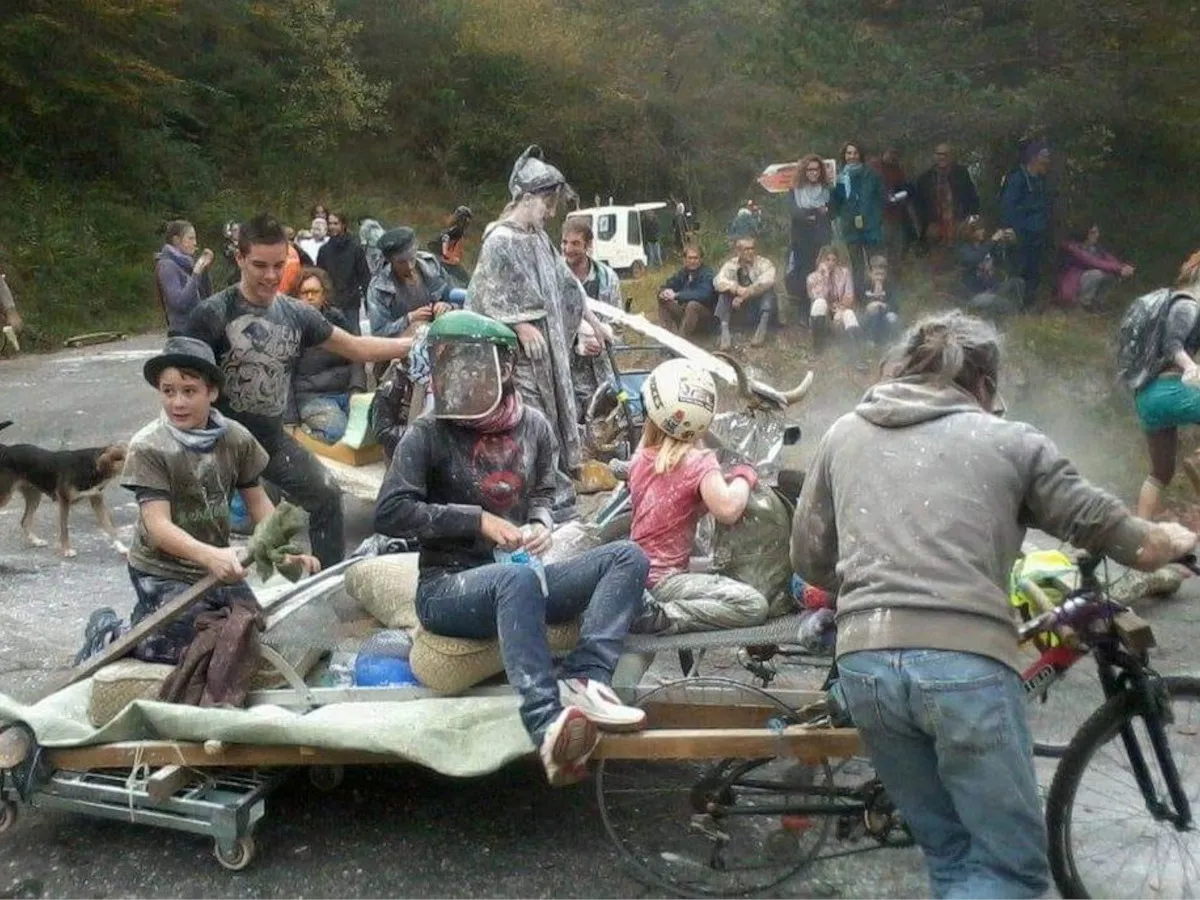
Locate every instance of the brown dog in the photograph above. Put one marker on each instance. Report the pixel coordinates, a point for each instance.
(65, 476)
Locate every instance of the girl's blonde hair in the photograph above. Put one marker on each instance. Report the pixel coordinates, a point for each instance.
(671, 451)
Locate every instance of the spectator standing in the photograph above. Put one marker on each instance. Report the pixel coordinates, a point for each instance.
(451, 243)
(317, 237)
(898, 230)
(1025, 208)
(857, 202)
(346, 263)
(369, 233)
(808, 209)
(945, 198)
(181, 277)
(652, 239)
(589, 365)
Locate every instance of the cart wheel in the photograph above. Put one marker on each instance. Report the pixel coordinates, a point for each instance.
(692, 827)
(239, 857)
(326, 778)
(8, 815)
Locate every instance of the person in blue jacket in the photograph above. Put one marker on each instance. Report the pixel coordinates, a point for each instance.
(1025, 208)
(687, 299)
(856, 203)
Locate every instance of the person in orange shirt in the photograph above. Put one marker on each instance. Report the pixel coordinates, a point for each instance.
(293, 267)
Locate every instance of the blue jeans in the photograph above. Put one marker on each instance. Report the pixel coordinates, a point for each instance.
(653, 255)
(506, 601)
(169, 644)
(948, 736)
(326, 416)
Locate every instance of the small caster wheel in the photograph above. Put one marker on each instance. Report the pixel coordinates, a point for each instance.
(239, 857)
(8, 816)
(326, 778)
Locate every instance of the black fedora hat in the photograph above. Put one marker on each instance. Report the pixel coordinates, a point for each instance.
(184, 353)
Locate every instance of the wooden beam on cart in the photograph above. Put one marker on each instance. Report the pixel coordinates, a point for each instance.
(801, 742)
(806, 744)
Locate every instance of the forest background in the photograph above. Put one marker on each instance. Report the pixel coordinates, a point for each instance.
(118, 115)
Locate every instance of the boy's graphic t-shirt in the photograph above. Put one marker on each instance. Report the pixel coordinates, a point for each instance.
(667, 508)
(197, 485)
(257, 348)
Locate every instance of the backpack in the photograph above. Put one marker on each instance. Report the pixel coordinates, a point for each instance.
(1140, 334)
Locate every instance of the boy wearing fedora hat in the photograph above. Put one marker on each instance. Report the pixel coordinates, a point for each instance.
(181, 468)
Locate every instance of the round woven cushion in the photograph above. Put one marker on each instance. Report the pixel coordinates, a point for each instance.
(451, 665)
(386, 587)
(116, 686)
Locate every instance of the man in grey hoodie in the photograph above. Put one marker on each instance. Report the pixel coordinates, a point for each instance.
(913, 513)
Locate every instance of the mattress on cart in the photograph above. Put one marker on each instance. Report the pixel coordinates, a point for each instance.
(457, 736)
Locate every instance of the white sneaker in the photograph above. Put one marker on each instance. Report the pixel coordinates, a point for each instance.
(566, 746)
(601, 705)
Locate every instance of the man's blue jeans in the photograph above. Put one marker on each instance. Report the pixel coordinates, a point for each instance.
(948, 736)
(604, 585)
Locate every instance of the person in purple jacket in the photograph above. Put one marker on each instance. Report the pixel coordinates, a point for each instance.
(1088, 271)
(181, 277)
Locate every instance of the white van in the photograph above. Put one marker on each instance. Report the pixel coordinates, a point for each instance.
(618, 231)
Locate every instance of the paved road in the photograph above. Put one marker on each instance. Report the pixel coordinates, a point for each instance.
(394, 831)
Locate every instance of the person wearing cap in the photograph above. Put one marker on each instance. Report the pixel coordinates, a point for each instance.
(473, 484)
(182, 468)
(411, 288)
(523, 281)
(258, 335)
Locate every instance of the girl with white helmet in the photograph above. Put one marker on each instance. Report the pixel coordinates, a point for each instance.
(672, 483)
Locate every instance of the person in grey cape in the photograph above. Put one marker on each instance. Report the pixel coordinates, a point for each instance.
(523, 281)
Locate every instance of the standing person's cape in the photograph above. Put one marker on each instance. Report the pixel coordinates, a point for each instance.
(521, 277)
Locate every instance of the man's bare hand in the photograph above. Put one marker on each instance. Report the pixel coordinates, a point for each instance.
(223, 564)
(203, 262)
(538, 539)
(441, 308)
(421, 314)
(667, 294)
(310, 564)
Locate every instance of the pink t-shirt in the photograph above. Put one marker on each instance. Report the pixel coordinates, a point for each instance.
(666, 509)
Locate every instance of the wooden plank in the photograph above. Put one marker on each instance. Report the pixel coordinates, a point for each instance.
(338, 452)
(165, 753)
(806, 744)
(667, 714)
(801, 742)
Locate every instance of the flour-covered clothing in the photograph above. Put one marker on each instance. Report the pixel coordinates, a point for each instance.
(444, 476)
(521, 278)
(196, 483)
(257, 348)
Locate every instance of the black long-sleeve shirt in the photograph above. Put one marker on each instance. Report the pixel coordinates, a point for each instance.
(444, 476)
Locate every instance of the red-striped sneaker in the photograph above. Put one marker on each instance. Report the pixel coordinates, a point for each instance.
(566, 746)
(601, 705)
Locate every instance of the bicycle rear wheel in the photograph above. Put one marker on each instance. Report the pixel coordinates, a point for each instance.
(1105, 839)
(698, 828)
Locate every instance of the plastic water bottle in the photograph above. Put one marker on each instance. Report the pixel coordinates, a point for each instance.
(523, 557)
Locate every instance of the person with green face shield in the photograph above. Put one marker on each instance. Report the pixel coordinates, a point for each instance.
(473, 483)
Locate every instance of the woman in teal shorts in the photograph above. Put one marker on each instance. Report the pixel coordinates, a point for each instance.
(1172, 398)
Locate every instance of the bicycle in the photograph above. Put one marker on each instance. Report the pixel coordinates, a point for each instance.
(750, 824)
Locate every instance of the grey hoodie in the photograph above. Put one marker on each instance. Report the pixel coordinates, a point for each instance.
(914, 511)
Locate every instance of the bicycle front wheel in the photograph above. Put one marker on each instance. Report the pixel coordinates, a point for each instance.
(1107, 839)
